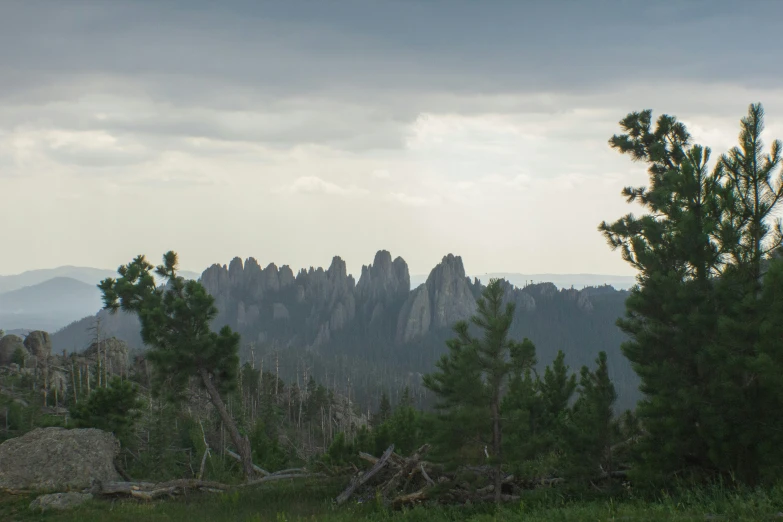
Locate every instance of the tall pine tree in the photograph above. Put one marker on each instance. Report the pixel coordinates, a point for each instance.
(470, 380)
(694, 319)
(175, 323)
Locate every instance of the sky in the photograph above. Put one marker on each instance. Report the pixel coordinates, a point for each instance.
(296, 131)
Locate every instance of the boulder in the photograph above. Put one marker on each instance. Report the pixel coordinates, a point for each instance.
(113, 351)
(39, 344)
(8, 345)
(58, 459)
(59, 501)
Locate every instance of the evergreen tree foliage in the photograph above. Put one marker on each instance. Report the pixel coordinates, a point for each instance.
(114, 408)
(592, 429)
(470, 378)
(19, 357)
(536, 410)
(384, 410)
(695, 317)
(175, 323)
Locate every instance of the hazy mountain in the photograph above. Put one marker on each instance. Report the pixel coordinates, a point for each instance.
(50, 299)
(577, 281)
(48, 305)
(91, 276)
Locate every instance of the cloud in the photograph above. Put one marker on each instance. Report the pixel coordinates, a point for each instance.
(414, 201)
(381, 174)
(316, 185)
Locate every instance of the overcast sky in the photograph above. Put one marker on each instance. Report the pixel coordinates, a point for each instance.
(295, 131)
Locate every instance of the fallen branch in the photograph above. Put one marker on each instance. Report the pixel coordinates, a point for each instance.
(369, 458)
(271, 478)
(152, 495)
(206, 452)
(239, 459)
(410, 498)
(426, 477)
(289, 471)
(361, 479)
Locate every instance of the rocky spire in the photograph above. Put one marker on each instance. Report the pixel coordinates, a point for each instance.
(443, 300)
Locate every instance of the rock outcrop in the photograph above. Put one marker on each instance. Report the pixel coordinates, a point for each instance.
(381, 291)
(261, 302)
(39, 344)
(448, 296)
(113, 352)
(9, 344)
(58, 459)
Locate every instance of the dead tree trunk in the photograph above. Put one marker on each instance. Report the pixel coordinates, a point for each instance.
(497, 445)
(242, 443)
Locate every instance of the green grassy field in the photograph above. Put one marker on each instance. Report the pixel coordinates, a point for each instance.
(313, 501)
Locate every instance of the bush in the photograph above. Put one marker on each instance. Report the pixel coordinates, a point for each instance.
(114, 409)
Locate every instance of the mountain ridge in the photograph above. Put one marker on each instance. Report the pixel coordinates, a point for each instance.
(378, 330)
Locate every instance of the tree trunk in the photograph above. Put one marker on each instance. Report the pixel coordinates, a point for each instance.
(242, 443)
(496, 445)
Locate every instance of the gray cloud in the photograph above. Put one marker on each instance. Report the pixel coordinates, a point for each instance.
(354, 75)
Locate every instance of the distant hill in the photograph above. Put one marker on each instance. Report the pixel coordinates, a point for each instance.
(577, 281)
(90, 276)
(50, 299)
(49, 305)
(85, 274)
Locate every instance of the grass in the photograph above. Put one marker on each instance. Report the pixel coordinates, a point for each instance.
(312, 501)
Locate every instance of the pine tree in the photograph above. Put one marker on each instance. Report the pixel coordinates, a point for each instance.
(471, 376)
(556, 388)
(114, 408)
(175, 324)
(384, 410)
(591, 427)
(695, 318)
(535, 409)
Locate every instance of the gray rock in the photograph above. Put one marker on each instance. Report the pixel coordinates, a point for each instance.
(58, 459)
(383, 281)
(415, 316)
(445, 298)
(39, 344)
(279, 311)
(8, 345)
(60, 501)
(113, 351)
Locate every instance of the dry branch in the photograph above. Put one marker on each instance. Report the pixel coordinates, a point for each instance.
(361, 479)
(426, 477)
(239, 459)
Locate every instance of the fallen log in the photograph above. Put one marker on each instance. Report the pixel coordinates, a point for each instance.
(288, 471)
(361, 479)
(409, 467)
(369, 458)
(152, 495)
(128, 488)
(150, 491)
(410, 498)
(239, 459)
(272, 478)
